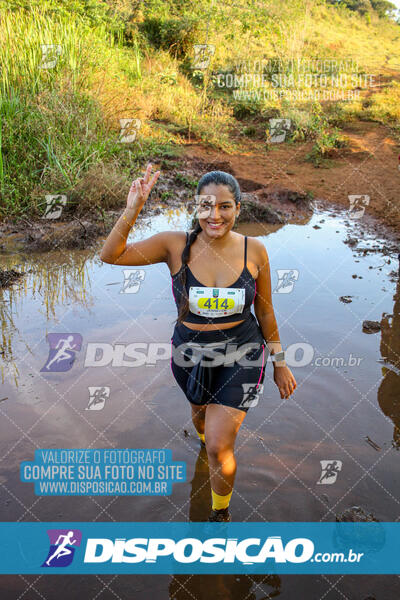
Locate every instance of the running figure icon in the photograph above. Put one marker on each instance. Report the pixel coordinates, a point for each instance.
(62, 353)
(62, 549)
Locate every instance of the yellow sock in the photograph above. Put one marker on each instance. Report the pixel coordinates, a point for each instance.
(218, 501)
(201, 436)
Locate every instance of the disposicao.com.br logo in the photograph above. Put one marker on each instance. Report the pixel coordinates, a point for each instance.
(212, 550)
(199, 547)
(62, 547)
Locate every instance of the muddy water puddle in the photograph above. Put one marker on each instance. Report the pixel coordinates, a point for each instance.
(346, 407)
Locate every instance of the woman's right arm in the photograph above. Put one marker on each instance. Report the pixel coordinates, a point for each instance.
(152, 250)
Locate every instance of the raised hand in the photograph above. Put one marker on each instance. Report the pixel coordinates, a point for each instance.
(141, 188)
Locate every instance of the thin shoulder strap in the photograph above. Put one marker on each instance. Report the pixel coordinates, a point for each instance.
(245, 251)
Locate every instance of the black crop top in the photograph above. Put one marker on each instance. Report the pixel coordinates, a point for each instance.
(231, 305)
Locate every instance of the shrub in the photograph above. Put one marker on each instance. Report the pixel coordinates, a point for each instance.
(326, 144)
(247, 107)
(175, 35)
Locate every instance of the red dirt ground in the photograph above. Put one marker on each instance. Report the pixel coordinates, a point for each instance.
(368, 166)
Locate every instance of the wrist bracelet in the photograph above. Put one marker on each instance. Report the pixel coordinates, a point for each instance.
(278, 356)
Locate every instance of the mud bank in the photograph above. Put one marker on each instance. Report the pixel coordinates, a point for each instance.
(175, 189)
(269, 203)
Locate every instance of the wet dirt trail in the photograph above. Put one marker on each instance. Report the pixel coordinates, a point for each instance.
(346, 406)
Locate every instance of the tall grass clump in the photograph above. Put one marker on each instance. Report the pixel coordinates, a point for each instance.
(51, 126)
(62, 124)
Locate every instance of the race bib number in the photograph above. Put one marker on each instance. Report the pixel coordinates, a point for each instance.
(216, 302)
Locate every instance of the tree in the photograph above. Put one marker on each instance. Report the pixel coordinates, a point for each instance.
(383, 8)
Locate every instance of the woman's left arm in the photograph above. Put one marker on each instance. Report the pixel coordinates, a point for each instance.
(264, 312)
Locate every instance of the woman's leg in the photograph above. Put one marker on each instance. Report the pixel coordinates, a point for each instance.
(198, 418)
(222, 424)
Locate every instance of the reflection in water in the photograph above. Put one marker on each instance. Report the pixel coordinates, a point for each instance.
(224, 587)
(389, 389)
(218, 586)
(57, 279)
(200, 492)
(52, 280)
(279, 446)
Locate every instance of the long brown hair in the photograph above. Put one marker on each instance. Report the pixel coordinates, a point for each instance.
(219, 178)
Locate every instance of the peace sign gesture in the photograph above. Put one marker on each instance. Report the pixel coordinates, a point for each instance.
(141, 188)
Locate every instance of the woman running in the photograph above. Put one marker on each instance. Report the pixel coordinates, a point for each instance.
(213, 315)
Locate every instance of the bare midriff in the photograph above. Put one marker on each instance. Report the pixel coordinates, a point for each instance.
(210, 326)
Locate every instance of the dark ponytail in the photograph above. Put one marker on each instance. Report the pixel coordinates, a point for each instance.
(219, 178)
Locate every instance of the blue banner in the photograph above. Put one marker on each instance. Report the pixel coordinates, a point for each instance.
(103, 472)
(200, 547)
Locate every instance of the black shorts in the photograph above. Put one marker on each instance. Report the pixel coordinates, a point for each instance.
(237, 380)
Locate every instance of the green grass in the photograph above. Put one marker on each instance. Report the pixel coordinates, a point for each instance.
(183, 179)
(325, 145)
(60, 126)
